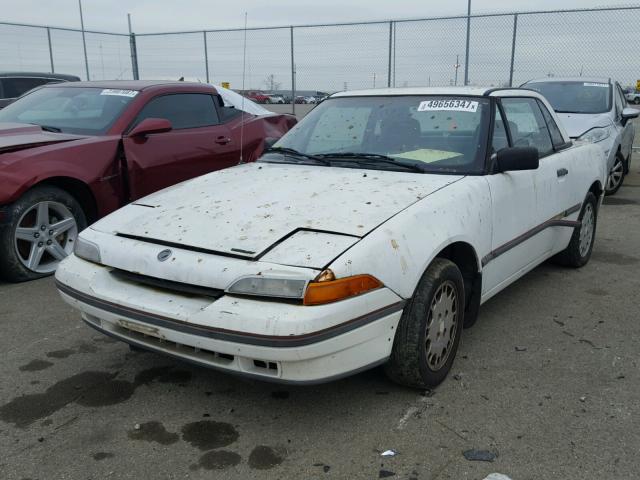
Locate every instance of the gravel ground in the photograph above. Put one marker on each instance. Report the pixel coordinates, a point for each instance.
(547, 382)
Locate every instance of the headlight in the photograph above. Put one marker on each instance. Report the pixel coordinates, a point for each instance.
(324, 289)
(269, 287)
(596, 134)
(87, 250)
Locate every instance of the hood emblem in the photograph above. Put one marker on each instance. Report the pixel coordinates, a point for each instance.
(163, 255)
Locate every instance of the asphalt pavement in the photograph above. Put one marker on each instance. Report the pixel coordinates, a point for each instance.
(546, 384)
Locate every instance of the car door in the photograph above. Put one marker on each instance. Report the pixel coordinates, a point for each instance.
(627, 131)
(197, 144)
(522, 201)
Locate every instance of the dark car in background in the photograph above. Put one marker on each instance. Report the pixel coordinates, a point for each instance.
(71, 153)
(15, 84)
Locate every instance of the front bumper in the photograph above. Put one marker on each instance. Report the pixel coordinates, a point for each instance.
(270, 340)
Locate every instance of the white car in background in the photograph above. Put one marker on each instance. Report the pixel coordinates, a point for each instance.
(369, 234)
(595, 110)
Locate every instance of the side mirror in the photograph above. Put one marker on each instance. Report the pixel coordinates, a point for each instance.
(628, 113)
(517, 158)
(151, 125)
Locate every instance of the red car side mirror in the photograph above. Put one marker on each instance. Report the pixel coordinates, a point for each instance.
(151, 125)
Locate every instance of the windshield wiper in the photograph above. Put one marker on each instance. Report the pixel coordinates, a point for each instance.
(290, 152)
(373, 158)
(48, 128)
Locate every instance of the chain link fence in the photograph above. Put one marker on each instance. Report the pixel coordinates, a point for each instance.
(504, 49)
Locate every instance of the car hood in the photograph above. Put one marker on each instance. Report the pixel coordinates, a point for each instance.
(578, 123)
(247, 210)
(18, 136)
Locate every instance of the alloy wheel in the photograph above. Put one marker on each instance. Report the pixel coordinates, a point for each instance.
(615, 175)
(442, 325)
(586, 230)
(45, 234)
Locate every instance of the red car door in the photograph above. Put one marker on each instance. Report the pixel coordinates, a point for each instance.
(197, 144)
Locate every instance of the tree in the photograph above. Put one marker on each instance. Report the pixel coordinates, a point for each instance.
(271, 84)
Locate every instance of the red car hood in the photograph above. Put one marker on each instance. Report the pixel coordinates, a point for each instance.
(18, 136)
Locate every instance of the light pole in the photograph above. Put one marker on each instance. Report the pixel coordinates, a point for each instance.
(84, 41)
(466, 55)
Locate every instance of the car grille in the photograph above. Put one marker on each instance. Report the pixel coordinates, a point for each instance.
(167, 285)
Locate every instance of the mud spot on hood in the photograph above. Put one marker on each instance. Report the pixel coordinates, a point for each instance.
(217, 460)
(263, 457)
(207, 434)
(153, 432)
(35, 366)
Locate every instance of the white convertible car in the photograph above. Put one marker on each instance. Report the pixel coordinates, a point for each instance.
(369, 234)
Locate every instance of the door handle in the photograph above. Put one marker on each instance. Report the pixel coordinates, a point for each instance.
(561, 172)
(222, 140)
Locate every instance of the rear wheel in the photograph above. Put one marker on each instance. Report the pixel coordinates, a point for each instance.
(428, 334)
(616, 175)
(578, 252)
(42, 230)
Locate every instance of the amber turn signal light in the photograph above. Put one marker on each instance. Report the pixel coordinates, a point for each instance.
(328, 291)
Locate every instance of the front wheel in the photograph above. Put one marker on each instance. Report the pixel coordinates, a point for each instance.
(578, 252)
(429, 330)
(42, 230)
(616, 176)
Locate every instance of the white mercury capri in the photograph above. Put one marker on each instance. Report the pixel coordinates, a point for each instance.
(369, 234)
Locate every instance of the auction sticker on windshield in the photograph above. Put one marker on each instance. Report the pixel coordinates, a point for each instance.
(118, 92)
(590, 84)
(451, 105)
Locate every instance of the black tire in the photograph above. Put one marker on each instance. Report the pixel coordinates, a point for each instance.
(575, 256)
(409, 363)
(636, 100)
(619, 169)
(11, 267)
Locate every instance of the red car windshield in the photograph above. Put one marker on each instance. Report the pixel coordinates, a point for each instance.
(85, 111)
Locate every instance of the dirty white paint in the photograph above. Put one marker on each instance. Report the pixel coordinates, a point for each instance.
(250, 207)
(290, 221)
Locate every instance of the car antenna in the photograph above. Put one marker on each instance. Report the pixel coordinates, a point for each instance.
(244, 66)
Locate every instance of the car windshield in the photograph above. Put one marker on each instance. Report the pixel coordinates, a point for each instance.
(433, 134)
(575, 97)
(85, 111)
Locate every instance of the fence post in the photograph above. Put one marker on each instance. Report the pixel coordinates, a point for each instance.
(134, 51)
(390, 47)
(466, 51)
(293, 77)
(206, 55)
(513, 48)
(84, 41)
(50, 49)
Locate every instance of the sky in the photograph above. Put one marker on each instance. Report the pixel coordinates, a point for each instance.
(327, 58)
(170, 15)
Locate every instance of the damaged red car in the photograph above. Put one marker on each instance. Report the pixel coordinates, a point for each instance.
(72, 153)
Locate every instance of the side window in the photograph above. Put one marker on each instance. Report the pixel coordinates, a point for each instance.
(527, 125)
(183, 110)
(620, 93)
(500, 139)
(14, 87)
(556, 136)
(618, 101)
